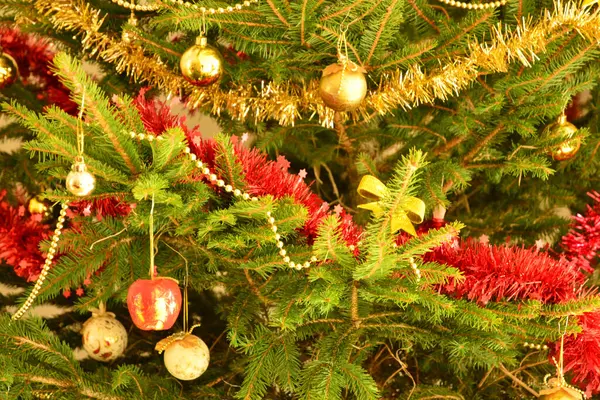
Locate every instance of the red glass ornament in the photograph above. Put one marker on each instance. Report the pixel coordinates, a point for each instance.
(154, 304)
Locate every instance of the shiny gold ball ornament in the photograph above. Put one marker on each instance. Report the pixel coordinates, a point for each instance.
(9, 71)
(201, 64)
(343, 86)
(186, 355)
(79, 181)
(104, 338)
(37, 206)
(560, 391)
(566, 131)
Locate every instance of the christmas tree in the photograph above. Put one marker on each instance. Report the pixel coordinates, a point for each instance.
(384, 214)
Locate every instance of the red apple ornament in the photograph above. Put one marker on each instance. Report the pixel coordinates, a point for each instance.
(154, 304)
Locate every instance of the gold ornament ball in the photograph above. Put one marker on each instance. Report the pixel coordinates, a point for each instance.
(9, 71)
(564, 130)
(104, 337)
(566, 150)
(79, 181)
(343, 87)
(36, 206)
(187, 358)
(201, 64)
(561, 394)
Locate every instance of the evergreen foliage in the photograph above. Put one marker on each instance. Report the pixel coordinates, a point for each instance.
(355, 325)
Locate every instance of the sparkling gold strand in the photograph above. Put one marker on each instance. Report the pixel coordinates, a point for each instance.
(47, 264)
(204, 170)
(286, 103)
(413, 265)
(478, 6)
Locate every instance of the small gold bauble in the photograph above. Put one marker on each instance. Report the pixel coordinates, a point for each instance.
(9, 71)
(36, 206)
(566, 131)
(562, 393)
(343, 86)
(186, 357)
(104, 337)
(79, 181)
(201, 64)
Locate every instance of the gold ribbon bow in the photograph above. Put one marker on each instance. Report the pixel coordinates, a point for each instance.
(413, 211)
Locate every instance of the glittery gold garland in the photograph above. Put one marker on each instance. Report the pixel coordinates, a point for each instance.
(288, 102)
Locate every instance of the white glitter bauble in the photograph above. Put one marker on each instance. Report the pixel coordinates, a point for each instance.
(104, 338)
(187, 358)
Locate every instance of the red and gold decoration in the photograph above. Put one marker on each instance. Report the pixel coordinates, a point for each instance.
(103, 336)
(9, 71)
(411, 213)
(566, 131)
(201, 64)
(343, 86)
(186, 355)
(154, 304)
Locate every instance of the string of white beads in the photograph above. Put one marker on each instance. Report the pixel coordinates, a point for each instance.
(535, 346)
(155, 6)
(47, 264)
(476, 6)
(240, 194)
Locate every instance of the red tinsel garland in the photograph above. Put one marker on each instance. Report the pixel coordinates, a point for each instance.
(34, 57)
(20, 235)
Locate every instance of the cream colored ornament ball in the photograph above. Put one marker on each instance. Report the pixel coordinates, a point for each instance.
(104, 337)
(201, 64)
(187, 358)
(343, 86)
(80, 181)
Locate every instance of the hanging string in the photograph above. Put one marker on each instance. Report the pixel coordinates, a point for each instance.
(80, 133)
(185, 291)
(151, 233)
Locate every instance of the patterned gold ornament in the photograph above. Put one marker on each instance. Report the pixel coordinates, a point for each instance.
(80, 182)
(36, 206)
(566, 131)
(343, 86)
(186, 355)
(201, 64)
(103, 336)
(560, 391)
(9, 71)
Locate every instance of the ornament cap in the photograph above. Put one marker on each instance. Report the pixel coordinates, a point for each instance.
(79, 166)
(562, 119)
(202, 41)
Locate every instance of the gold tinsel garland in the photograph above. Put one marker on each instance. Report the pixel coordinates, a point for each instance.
(288, 102)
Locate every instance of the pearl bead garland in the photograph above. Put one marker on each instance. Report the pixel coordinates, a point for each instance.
(246, 196)
(413, 265)
(153, 7)
(534, 346)
(471, 6)
(47, 264)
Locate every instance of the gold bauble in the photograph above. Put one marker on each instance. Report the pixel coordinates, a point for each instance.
(9, 71)
(562, 393)
(559, 390)
(36, 206)
(79, 181)
(186, 356)
(104, 337)
(343, 86)
(566, 131)
(201, 64)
